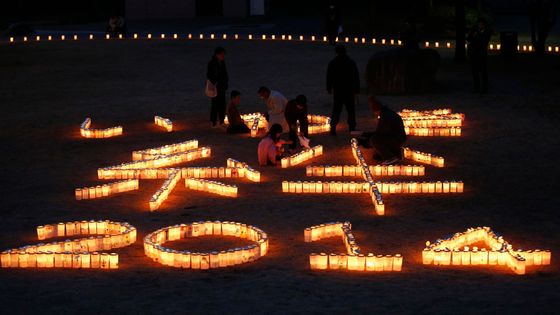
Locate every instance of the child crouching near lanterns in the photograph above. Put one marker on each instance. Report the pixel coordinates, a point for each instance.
(270, 148)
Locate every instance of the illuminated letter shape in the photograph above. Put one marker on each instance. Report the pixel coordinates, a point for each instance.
(454, 250)
(353, 259)
(167, 124)
(437, 122)
(87, 132)
(302, 156)
(186, 259)
(77, 253)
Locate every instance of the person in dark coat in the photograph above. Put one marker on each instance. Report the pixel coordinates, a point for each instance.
(296, 111)
(236, 123)
(343, 82)
(478, 39)
(218, 75)
(388, 138)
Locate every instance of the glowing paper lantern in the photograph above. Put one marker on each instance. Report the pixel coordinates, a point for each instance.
(448, 251)
(87, 132)
(185, 259)
(353, 260)
(78, 253)
(212, 187)
(423, 157)
(432, 123)
(302, 156)
(163, 193)
(106, 189)
(165, 150)
(167, 124)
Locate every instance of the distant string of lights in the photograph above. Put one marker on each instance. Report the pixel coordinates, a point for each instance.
(262, 37)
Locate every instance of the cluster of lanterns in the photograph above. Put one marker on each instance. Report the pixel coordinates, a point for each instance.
(377, 199)
(430, 123)
(423, 157)
(212, 187)
(454, 250)
(167, 124)
(256, 121)
(88, 132)
(302, 156)
(341, 187)
(157, 163)
(206, 260)
(354, 170)
(77, 253)
(106, 189)
(353, 259)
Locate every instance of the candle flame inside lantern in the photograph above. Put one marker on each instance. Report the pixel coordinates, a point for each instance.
(154, 249)
(353, 259)
(454, 250)
(77, 253)
(88, 132)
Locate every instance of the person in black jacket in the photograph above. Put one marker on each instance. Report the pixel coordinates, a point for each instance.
(389, 137)
(217, 74)
(478, 39)
(296, 111)
(343, 82)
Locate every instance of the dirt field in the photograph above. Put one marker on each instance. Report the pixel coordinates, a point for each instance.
(507, 159)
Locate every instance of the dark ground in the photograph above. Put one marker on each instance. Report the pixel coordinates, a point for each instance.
(507, 159)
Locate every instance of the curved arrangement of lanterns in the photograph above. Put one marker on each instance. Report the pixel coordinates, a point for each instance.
(78, 253)
(87, 132)
(154, 249)
(454, 250)
(353, 259)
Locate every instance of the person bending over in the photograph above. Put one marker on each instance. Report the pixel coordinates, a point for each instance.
(296, 112)
(236, 123)
(275, 106)
(388, 138)
(270, 147)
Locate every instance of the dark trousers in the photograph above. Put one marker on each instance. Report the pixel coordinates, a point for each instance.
(241, 128)
(386, 147)
(218, 108)
(479, 73)
(341, 100)
(293, 136)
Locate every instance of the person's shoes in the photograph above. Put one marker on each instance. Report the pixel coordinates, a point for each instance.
(391, 161)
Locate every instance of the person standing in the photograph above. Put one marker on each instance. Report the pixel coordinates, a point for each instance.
(333, 21)
(275, 106)
(217, 74)
(478, 39)
(236, 123)
(296, 112)
(343, 82)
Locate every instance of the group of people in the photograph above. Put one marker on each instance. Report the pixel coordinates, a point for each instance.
(290, 116)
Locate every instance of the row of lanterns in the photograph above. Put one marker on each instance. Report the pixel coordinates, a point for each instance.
(167, 160)
(106, 189)
(432, 123)
(206, 260)
(312, 38)
(301, 156)
(352, 187)
(454, 250)
(212, 187)
(164, 150)
(163, 193)
(88, 132)
(256, 121)
(165, 123)
(376, 198)
(423, 157)
(354, 170)
(250, 173)
(186, 172)
(353, 260)
(77, 253)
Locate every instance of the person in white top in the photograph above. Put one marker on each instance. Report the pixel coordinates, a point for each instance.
(275, 105)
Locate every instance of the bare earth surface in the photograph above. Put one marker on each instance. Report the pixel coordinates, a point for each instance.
(508, 159)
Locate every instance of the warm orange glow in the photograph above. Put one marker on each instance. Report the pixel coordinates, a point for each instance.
(302, 156)
(354, 170)
(167, 124)
(87, 132)
(106, 189)
(438, 122)
(353, 260)
(185, 259)
(448, 251)
(212, 187)
(423, 157)
(77, 253)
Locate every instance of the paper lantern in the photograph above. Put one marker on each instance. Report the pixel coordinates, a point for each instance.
(438, 122)
(448, 251)
(106, 190)
(73, 254)
(87, 132)
(302, 156)
(211, 187)
(207, 260)
(165, 123)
